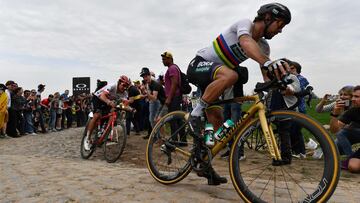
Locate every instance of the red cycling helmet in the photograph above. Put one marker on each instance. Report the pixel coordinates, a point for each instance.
(125, 80)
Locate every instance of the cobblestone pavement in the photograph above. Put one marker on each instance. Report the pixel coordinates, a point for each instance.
(48, 168)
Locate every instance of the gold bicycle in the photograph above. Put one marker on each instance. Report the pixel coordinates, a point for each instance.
(256, 135)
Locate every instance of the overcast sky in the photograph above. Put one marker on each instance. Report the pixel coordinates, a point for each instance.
(50, 42)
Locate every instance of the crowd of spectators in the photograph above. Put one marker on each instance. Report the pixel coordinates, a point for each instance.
(344, 124)
(24, 111)
(27, 112)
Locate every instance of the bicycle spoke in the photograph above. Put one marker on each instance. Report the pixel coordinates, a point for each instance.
(256, 177)
(286, 183)
(275, 184)
(265, 186)
(296, 182)
(259, 167)
(299, 172)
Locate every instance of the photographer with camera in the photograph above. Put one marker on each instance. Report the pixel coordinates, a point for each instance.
(345, 93)
(345, 122)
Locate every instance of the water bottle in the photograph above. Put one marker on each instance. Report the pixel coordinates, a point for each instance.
(100, 131)
(209, 135)
(221, 132)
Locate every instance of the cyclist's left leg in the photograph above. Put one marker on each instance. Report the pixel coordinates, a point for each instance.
(214, 116)
(213, 79)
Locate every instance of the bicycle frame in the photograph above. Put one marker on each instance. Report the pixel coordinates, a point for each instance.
(257, 108)
(112, 118)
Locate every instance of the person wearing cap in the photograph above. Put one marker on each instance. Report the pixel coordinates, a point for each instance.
(155, 94)
(38, 111)
(136, 83)
(216, 67)
(67, 113)
(134, 95)
(3, 110)
(172, 92)
(41, 88)
(28, 113)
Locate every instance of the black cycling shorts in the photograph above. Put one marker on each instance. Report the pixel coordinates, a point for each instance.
(100, 106)
(201, 72)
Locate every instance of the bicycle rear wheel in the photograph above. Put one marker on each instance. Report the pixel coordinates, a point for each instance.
(166, 163)
(311, 178)
(86, 153)
(114, 143)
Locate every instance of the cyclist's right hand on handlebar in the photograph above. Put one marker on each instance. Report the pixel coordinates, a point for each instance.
(112, 104)
(277, 68)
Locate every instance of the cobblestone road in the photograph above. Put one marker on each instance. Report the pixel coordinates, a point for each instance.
(48, 168)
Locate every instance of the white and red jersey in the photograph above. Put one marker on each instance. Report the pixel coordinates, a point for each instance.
(111, 92)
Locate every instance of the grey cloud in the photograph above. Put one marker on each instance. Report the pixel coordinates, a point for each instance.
(107, 38)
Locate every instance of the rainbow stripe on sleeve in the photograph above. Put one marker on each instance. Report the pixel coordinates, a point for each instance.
(224, 52)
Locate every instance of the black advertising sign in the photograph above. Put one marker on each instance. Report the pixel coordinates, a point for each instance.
(81, 85)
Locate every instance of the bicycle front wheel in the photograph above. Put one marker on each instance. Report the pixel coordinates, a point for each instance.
(168, 149)
(114, 143)
(310, 177)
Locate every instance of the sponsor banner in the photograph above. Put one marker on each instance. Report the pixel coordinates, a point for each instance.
(81, 85)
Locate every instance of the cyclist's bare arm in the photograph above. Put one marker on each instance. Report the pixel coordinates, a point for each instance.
(253, 51)
(103, 97)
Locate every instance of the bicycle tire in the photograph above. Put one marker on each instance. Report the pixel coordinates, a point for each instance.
(313, 184)
(114, 147)
(86, 154)
(167, 166)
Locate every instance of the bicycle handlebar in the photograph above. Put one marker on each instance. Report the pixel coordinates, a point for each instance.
(275, 83)
(281, 84)
(122, 107)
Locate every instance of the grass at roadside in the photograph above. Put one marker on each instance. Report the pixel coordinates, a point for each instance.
(323, 118)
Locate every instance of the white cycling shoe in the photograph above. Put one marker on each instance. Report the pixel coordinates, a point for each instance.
(87, 144)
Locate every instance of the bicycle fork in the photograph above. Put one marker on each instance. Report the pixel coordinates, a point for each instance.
(269, 136)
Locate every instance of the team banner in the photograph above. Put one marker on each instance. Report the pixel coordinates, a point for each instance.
(81, 85)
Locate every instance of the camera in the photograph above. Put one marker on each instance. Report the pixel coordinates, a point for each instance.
(332, 97)
(347, 103)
